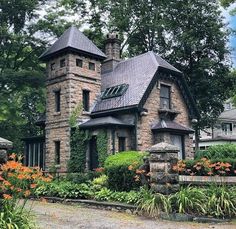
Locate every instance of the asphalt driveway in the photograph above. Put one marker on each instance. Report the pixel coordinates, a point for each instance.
(60, 216)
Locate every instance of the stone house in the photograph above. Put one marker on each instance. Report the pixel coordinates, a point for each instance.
(138, 101)
(223, 131)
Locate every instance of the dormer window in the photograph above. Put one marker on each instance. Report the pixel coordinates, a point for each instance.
(91, 66)
(115, 91)
(53, 65)
(165, 97)
(62, 63)
(79, 63)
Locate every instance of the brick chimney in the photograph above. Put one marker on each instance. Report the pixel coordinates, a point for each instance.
(112, 50)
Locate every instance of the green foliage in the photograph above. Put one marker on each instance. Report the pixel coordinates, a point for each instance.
(120, 177)
(102, 144)
(15, 219)
(153, 204)
(100, 182)
(82, 177)
(221, 201)
(196, 42)
(189, 200)
(218, 152)
(78, 144)
(64, 189)
(75, 114)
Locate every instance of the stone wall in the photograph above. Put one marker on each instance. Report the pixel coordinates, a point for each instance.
(145, 136)
(71, 80)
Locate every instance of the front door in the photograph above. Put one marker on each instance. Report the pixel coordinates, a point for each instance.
(93, 153)
(177, 140)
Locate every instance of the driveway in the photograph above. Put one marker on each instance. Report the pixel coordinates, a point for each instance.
(60, 216)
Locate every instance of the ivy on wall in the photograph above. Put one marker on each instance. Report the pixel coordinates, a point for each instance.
(78, 147)
(78, 143)
(102, 147)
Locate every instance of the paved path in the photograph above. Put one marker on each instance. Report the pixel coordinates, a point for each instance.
(60, 216)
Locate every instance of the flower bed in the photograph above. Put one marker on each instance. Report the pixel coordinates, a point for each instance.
(206, 167)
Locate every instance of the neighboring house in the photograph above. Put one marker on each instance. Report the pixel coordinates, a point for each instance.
(138, 102)
(224, 131)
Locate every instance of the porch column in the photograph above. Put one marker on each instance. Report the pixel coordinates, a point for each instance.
(163, 156)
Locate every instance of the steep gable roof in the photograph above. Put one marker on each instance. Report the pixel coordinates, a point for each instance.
(73, 39)
(138, 73)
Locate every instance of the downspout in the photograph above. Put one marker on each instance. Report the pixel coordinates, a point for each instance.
(136, 131)
(113, 141)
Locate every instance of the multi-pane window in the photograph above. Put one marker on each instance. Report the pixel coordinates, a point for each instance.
(79, 63)
(62, 63)
(57, 101)
(57, 152)
(91, 66)
(53, 66)
(86, 100)
(114, 91)
(165, 97)
(121, 143)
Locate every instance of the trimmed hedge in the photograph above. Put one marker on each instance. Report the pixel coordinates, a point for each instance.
(218, 152)
(120, 169)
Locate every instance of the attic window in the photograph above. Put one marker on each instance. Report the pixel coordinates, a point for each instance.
(114, 91)
(79, 63)
(62, 63)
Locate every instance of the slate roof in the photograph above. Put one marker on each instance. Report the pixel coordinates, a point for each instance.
(228, 115)
(171, 126)
(103, 121)
(138, 73)
(74, 40)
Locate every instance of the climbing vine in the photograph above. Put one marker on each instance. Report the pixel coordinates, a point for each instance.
(102, 142)
(78, 144)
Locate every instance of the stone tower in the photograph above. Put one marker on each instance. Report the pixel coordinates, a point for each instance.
(73, 77)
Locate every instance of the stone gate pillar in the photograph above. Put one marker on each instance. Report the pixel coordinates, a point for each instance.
(4, 146)
(162, 158)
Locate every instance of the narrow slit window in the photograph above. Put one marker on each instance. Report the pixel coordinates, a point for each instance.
(62, 63)
(86, 100)
(57, 152)
(53, 65)
(79, 63)
(91, 66)
(57, 101)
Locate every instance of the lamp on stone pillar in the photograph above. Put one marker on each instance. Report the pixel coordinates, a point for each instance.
(163, 179)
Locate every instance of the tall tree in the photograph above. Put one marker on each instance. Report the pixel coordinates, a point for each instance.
(189, 33)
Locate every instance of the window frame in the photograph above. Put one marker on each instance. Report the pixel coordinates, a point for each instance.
(92, 64)
(79, 60)
(53, 66)
(86, 99)
(57, 151)
(62, 63)
(164, 97)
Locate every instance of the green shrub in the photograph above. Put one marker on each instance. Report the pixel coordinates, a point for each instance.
(119, 171)
(218, 152)
(100, 182)
(82, 177)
